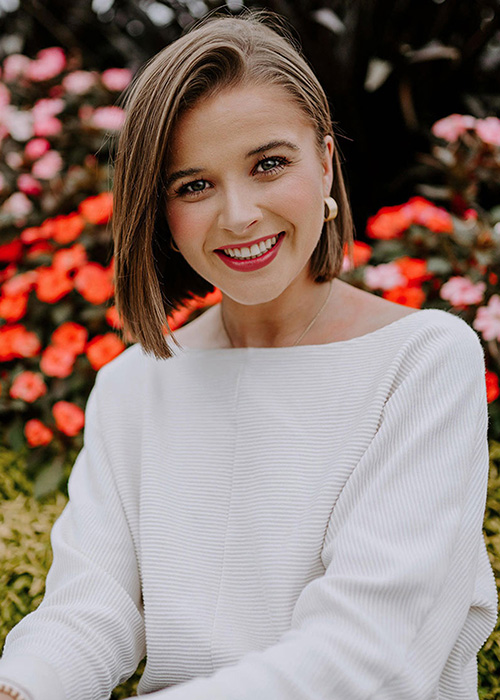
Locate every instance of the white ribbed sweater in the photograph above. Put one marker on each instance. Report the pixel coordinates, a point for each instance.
(298, 523)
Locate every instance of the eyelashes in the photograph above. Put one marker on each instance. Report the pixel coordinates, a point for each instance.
(280, 162)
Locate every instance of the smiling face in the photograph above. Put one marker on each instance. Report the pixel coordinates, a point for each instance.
(245, 174)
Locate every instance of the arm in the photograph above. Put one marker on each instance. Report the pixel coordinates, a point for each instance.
(400, 552)
(87, 635)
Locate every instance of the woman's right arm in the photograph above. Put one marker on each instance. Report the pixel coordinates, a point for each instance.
(87, 635)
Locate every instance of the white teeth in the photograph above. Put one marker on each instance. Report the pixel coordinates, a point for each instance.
(255, 251)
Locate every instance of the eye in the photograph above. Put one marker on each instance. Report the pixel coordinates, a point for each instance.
(272, 164)
(193, 188)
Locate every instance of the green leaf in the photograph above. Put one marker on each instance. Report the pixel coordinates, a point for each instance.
(49, 479)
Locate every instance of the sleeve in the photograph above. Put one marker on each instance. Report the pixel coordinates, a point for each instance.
(400, 553)
(87, 635)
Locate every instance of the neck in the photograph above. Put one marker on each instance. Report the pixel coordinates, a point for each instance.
(295, 317)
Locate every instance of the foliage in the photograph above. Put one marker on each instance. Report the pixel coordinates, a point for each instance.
(427, 256)
(489, 656)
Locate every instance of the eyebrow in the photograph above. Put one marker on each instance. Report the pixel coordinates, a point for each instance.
(188, 172)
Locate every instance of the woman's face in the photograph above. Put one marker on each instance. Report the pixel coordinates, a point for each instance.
(244, 172)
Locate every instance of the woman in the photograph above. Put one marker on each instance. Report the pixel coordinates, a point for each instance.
(285, 501)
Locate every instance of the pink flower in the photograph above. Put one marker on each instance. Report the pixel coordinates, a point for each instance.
(450, 128)
(385, 276)
(14, 66)
(27, 184)
(79, 82)
(18, 205)
(48, 126)
(461, 291)
(47, 166)
(47, 64)
(488, 130)
(116, 78)
(111, 118)
(47, 107)
(36, 148)
(487, 319)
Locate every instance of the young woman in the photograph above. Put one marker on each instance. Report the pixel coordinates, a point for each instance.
(284, 500)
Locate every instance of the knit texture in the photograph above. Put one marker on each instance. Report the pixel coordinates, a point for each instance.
(298, 523)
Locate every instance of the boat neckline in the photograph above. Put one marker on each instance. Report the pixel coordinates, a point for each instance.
(298, 348)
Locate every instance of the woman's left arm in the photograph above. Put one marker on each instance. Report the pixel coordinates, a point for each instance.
(397, 612)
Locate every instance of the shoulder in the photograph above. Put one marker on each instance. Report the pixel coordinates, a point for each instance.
(434, 329)
(123, 380)
(439, 354)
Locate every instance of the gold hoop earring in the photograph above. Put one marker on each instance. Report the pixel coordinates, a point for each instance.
(331, 209)
(172, 245)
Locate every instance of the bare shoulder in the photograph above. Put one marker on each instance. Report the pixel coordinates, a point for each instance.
(358, 312)
(203, 332)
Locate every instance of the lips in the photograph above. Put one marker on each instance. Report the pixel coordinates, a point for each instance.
(250, 243)
(252, 264)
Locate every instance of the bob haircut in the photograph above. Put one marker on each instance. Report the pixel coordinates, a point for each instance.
(220, 51)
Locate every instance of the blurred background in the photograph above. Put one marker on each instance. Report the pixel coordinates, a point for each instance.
(414, 92)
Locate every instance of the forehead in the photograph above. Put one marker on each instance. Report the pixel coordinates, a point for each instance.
(236, 119)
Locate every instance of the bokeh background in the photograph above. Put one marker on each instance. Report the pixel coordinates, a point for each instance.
(414, 91)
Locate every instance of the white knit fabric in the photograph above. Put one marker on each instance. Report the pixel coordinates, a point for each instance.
(299, 523)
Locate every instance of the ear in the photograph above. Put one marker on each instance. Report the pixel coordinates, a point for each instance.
(327, 165)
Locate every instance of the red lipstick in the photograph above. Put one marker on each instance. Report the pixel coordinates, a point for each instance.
(256, 263)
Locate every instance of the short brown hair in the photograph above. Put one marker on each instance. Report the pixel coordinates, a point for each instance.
(151, 280)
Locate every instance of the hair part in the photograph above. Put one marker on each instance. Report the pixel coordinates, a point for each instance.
(217, 53)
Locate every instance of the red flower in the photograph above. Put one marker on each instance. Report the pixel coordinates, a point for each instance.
(492, 388)
(414, 269)
(52, 285)
(427, 214)
(57, 361)
(66, 229)
(407, 296)
(8, 272)
(103, 348)
(13, 308)
(16, 341)
(361, 253)
(11, 252)
(94, 283)
(38, 249)
(37, 433)
(98, 209)
(69, 418)
(28, 386)
(70, 336)
(113, 318)
(389, 222)
(69, 259)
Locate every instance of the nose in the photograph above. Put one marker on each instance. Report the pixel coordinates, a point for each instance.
(238, 209)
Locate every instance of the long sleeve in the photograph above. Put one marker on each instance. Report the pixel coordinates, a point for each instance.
(87, 635)
(401, 551)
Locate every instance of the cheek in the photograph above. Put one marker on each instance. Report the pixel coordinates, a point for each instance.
(300, 199)
(186, 221)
